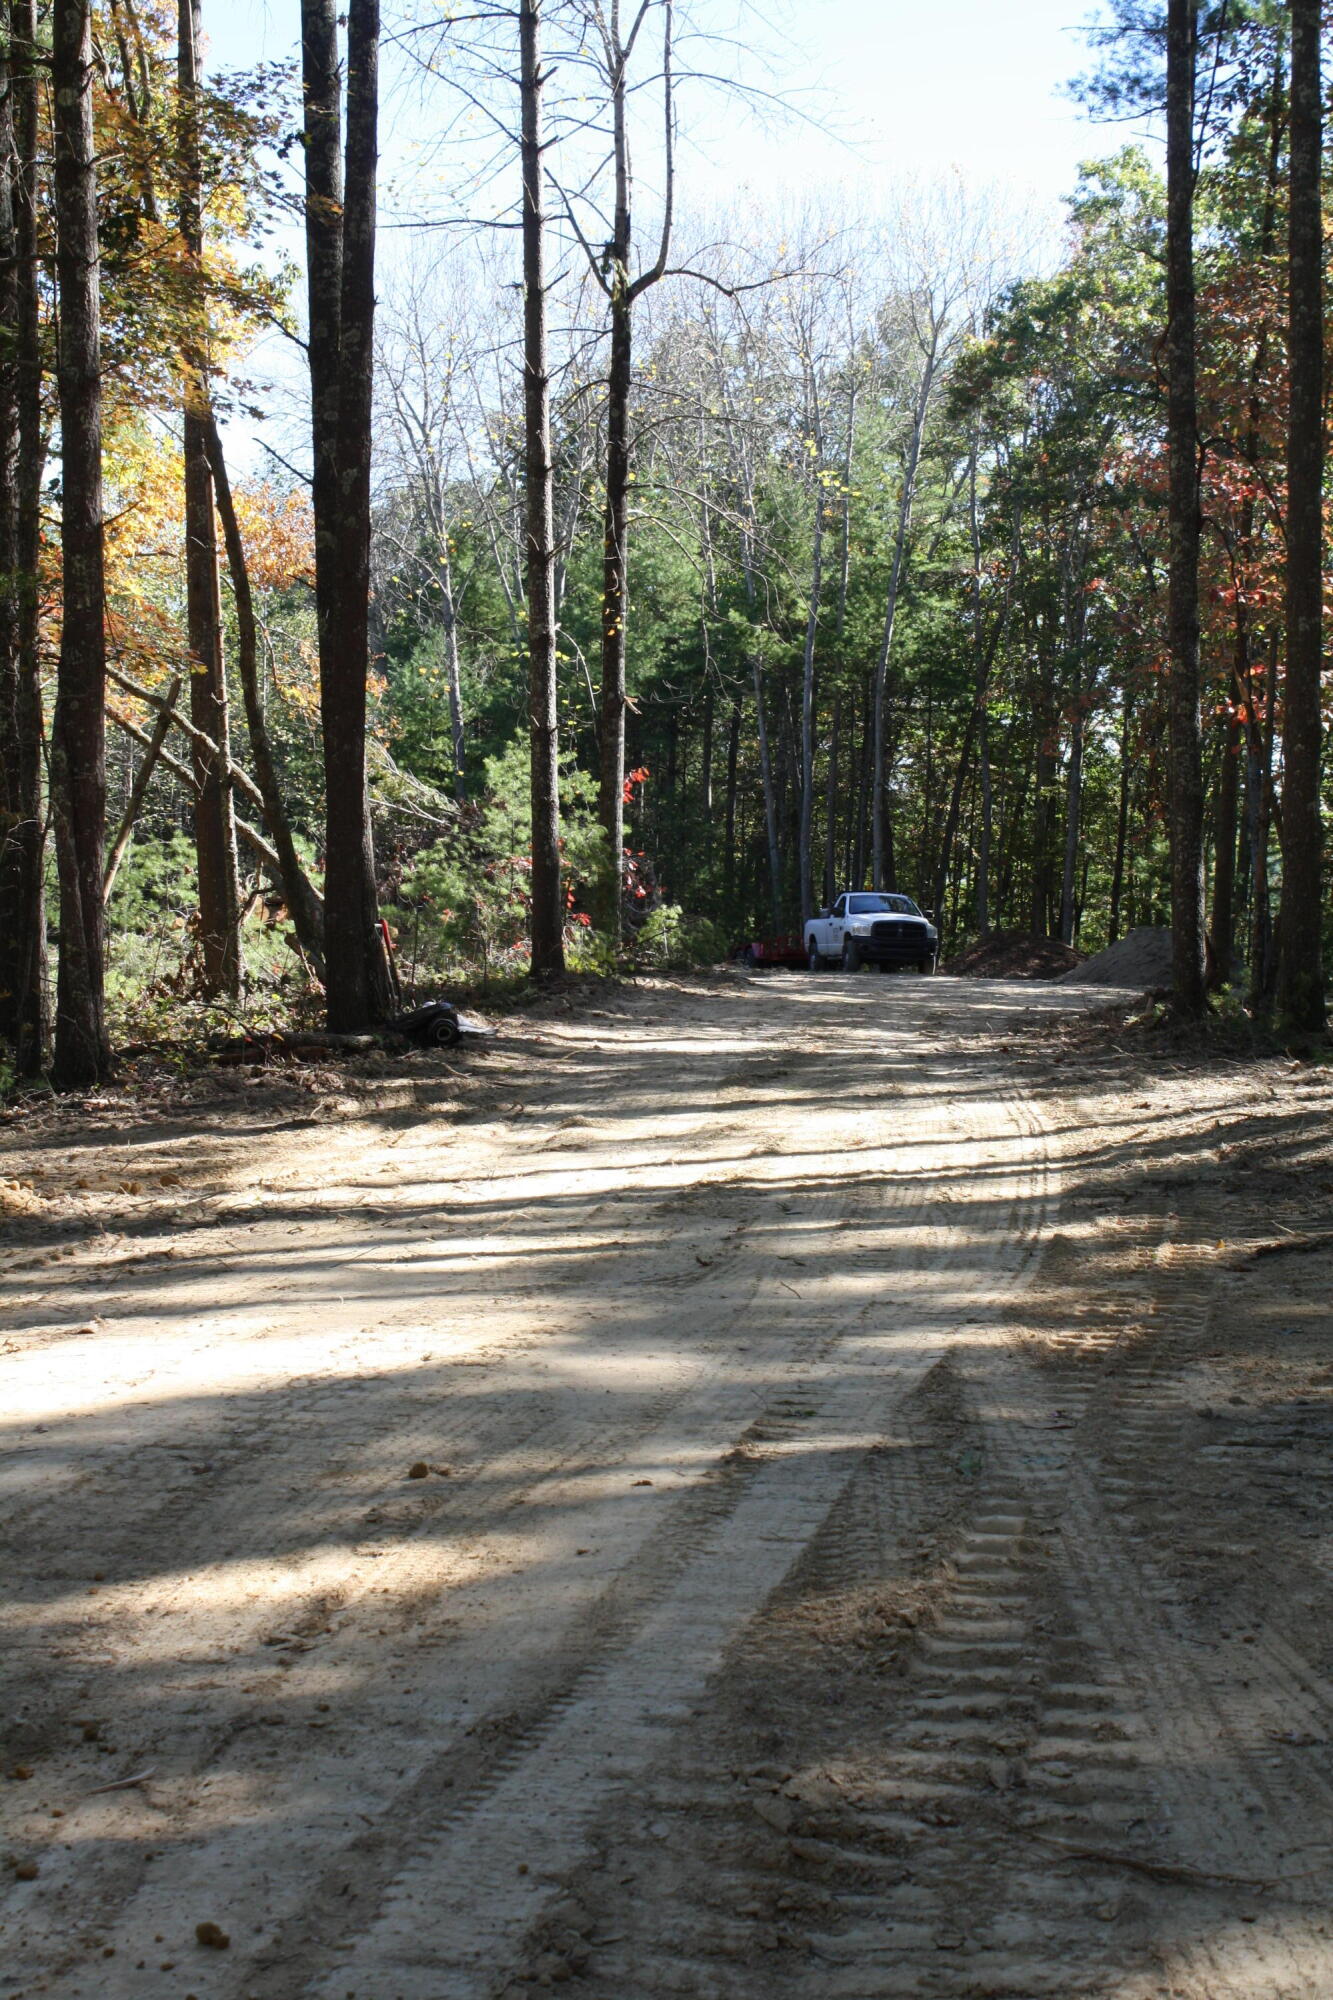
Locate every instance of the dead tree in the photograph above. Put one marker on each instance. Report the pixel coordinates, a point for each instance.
(302, 898)
(214, 830)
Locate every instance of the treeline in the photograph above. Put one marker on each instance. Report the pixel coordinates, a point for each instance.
(649, 574)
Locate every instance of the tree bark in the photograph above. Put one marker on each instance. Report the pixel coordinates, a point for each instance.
(986, 830)
(1186, 750)
(78, 730)
(733, 760)
(214, 825)
(1223, 926)
(807, 827)
(770, 800)
(1073, 824)
(1300, 977)
(880, 837)
(1122, 819)
(340, 249)
(23, 984)
(622, 291)
(831, 803)
(449, 621)
(1259, 815)
(615, 580)
(547, 920)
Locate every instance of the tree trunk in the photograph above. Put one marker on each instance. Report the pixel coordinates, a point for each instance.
(302, 898)
(733, 758)
(831, 804)
(615, 582)
(1122, 821)
(78, 729)
(548, 952)
(986, 830)
(1186, 751)
(770, 801)
(1259, 813)
(1043, 807)
(1223, 927)
(1073, 827)
(883, 870)
(23, 984)
(1300, 980)
(214, 824)
(449, 619)
(805, 843)
(340, 251)
(322, 135)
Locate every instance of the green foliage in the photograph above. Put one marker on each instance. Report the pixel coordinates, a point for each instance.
(466, 898)
(669, 940)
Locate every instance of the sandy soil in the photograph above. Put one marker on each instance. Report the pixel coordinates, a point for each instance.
(875, 1540)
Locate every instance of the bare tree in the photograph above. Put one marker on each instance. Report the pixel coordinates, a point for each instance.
(615, 34)
(423, 366)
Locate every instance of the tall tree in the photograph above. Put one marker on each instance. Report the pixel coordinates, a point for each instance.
(548, 952)
(1300, 983)
(23, 985)
(78, 730)
(340, 259)
(1186, 793)
(214, 818)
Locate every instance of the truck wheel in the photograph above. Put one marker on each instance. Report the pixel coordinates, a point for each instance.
(851, 955)
(881, 966)
(813, 957)
(926, 965)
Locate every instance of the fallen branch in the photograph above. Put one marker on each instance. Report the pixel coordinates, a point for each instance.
(1164, 1871)
(251, 835)
(256, 842)
(122, 1784)
(1295, 1246)
(231, 771)
(139, 789)
(302, 898)
(165, 758)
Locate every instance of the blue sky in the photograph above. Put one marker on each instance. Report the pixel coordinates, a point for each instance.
(907, 89)
(915, 88)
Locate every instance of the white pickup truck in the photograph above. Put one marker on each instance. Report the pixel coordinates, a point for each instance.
(867, 928)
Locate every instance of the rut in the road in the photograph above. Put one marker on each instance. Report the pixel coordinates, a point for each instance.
(1053, 1787)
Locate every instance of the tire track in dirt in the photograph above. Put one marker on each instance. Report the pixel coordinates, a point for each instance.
(641, 1695)
(1054, 1703)
(496, 1756)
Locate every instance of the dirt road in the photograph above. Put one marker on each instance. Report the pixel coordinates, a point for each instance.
(871, 1529)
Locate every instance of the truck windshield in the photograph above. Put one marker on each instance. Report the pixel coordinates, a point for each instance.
(869, 906)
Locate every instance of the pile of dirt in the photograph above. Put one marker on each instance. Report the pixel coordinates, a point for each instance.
(1141, 960)
(1015, 955)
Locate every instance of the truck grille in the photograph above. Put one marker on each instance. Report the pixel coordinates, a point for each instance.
(892, 933)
